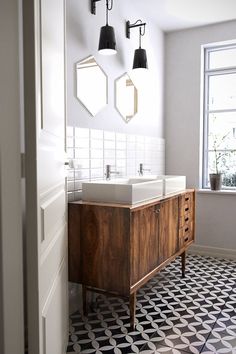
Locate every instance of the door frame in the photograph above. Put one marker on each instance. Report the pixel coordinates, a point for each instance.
(11, 235)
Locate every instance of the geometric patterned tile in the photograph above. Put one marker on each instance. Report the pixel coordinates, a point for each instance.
(173, 315)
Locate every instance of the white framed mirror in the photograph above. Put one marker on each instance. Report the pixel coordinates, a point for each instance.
(126, 97)
(91, 85)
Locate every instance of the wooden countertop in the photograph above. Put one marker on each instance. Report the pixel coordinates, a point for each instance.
(149, 202)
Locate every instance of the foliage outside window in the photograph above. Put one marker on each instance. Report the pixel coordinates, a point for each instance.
(220, 114)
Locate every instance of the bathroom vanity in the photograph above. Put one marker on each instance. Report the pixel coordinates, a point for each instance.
(115, 248)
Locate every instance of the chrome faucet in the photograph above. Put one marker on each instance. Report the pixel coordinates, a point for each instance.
(109, 172)
(141, 169)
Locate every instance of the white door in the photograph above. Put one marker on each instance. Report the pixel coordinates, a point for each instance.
(46, 211)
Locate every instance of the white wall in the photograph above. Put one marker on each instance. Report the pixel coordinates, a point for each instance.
(11, 291)
(216, 218)
(82, 40)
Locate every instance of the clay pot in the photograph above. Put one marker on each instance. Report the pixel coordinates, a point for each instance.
(215, 181)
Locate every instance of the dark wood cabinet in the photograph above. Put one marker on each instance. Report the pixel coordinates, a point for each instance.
(117, 248)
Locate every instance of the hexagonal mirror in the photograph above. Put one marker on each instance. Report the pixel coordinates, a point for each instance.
(126, 97)
(91, 85)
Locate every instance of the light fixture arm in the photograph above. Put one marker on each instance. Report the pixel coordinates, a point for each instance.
(138, 23)
(108, 8)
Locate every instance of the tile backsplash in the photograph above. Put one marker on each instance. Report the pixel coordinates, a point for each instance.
(90, 150)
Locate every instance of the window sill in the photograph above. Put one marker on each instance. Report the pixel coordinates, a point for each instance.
(221, 192)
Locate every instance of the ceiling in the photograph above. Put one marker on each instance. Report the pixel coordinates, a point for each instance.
(171, 15)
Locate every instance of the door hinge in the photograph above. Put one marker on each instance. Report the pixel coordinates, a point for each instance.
(22, 155)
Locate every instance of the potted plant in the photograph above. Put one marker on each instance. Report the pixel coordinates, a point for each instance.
(216, 177)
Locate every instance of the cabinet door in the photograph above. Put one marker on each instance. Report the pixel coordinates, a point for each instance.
(144, 242)
(168, 237)
(105, 248)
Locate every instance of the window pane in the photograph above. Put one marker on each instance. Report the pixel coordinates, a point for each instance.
(222, 58)
(222, 131)
(226, 164)
(222, 92)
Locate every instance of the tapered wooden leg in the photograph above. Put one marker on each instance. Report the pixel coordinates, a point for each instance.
(132, 308)
(84, 295)
(183, 259)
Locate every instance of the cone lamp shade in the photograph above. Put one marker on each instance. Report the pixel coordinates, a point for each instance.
(140, 59)
(107, 41)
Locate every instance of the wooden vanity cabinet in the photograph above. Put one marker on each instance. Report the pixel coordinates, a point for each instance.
(118, 248)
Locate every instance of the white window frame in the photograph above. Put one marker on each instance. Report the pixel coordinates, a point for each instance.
(207, 73)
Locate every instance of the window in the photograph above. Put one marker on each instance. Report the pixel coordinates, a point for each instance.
(219, 145)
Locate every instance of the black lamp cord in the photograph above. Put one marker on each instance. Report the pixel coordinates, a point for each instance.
(142, 30)
(108, 8)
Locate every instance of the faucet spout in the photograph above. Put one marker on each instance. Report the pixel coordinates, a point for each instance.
(109, 172)
(141, 169)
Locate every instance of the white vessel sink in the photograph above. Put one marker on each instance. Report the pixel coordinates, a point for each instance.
(171, 184)
(123, 191)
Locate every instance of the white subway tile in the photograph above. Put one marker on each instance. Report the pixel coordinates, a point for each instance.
(70, 153)
(82, 143)
(120, 137)
(71, 196)
(111, 162)
(96, 163)
(82, 174)
(131, 138)
(96, 154)
(109, 144)
(121, 154)
(82, 132)
(109, 135)
(97, 172)
(82, 153)
(121, 145)
(109, 154)
(96, 134)
(96, 144)
(70, 186)
(70, 142)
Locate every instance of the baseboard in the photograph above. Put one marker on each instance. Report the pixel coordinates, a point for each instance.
(212, 251)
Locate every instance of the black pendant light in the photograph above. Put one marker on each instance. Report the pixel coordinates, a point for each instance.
(140, 55)
(107, 40)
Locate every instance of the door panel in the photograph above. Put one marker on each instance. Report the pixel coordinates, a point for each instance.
(54, 327)
(145, 242)
(45, 176)
(52, 66)
(169, 237)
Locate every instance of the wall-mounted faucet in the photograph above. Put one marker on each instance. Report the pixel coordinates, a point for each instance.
(141, 169)
(109, 172)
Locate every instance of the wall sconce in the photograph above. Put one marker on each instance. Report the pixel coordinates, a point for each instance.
(107, 40)
(140, 55)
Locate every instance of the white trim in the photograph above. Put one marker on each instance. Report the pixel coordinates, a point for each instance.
(213, 251)
(221, 192)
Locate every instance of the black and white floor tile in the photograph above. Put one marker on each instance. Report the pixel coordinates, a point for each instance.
(173, 315)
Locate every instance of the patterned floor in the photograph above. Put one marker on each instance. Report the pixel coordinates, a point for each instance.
(174, 315)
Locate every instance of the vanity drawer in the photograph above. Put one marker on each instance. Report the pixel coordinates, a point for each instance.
(186, 230)
(185, 240)
(185, 219)
(186, 204)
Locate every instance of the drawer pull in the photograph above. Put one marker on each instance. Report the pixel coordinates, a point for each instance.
(186, 209)
(157, 211)
(186, 239)
(186, 230)
(186, 199)
(187, 219)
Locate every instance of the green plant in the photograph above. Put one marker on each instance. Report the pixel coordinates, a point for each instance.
(219, 155)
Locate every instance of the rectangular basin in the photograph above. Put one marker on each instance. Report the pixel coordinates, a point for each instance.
(122, 191)
(171, 184)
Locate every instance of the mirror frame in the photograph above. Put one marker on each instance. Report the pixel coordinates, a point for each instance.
(127, 119)
(80, 101)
